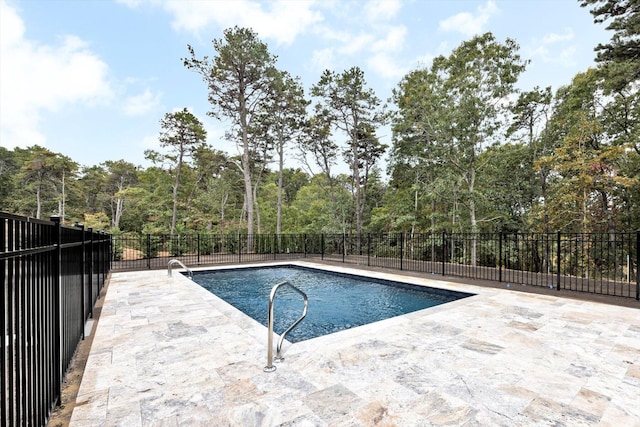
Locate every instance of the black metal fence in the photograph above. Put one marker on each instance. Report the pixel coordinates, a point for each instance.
(596, 263)
(51, 276)
(133, 251)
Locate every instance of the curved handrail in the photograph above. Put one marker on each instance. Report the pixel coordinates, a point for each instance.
(270, 367)
(177, 261)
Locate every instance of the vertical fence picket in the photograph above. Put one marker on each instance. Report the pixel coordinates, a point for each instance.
(561, 260)
(52, 276)
(35, 317)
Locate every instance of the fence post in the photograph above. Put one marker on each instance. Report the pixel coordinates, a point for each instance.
(368, 249)
(500, 257)
(149, 251)
(322, 246)
(104, 259)
(198, 249)
(401, 248)
(304, 237)
(275, 250)
(344, 246)
(444, 251)
(57, 240)
(90, 286)
(104, 269)
(83, 295)
(638, 265)
(558, 262)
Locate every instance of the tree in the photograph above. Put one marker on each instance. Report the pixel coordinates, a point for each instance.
(355, 110)
(621, 55)
(283, 118)
(39, 175)
(317, 144)
(529, 125)
(313, 211)
(508, 187)
(586, 164)
(92, 188)
(121, 175)
(418, 169)
(466, 94)
(151, 200)
(239, 79)
(64, 171)
(8, 170)
(457, 106)
(182, 133)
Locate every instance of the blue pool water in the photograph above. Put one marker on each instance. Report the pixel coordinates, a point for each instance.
(336, 301)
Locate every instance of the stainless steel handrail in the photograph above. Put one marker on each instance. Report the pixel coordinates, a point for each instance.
(177, 261)
(270, 367)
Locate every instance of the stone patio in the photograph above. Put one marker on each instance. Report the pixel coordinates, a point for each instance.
(168, 353)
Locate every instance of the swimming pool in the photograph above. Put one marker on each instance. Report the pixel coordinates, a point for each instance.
(337, 301)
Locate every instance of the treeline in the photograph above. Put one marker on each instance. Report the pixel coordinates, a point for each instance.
(469, 152)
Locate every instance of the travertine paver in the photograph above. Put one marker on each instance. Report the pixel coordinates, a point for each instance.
(168, 353)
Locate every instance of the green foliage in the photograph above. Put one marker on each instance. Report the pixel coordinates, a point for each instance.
(8, 169)
(588, 164)
(508, 187)
(182, 135)
(448, 113)
(462, 159)
(349, 106)
(621, 56)
(150, 244)
(240, 80)
(98, 221)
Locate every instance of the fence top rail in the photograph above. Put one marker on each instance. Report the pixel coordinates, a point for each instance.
(26, 219)
(6, 215)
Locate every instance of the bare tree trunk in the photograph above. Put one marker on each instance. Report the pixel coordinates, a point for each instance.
(280, 184)
(115, 222)
(223, 204)
(257, 209)
(176, 185)
(246, 171)
(355, 168)
(472, 217)
(62, 202)
(38, 202)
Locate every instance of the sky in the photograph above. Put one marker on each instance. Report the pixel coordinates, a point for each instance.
(91, 79)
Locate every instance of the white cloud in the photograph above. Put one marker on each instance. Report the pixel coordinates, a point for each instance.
(356, 44)
(138, 105)
(554, 48)
(150, 142)
(381, 10)
(12, 26)
(322, 59)
(36, 78)
(130, 3)
(384, 53)
(393, 41)
(384, 65)
(281, 20)
(470, 24)
(555, 37)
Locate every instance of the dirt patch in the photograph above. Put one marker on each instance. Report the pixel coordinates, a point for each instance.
(130, 254)
(61, 414)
